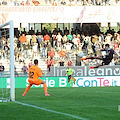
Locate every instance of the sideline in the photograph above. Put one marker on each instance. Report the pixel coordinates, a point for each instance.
(48, 110)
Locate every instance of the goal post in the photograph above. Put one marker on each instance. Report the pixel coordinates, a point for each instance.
(12, 77)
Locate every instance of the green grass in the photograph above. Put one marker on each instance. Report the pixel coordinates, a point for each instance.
(95, 103)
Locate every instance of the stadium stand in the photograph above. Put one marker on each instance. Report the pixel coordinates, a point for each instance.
(60, 3)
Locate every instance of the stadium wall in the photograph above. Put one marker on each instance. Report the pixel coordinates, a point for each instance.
(96, 81)
(86, 71)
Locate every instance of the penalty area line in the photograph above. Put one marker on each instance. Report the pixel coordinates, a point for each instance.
(52, 111)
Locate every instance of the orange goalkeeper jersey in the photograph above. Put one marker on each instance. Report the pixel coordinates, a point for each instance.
(34, 73)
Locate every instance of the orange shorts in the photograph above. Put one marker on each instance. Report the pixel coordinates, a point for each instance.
(35, 82)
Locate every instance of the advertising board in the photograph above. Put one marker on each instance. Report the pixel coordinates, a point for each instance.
(95, 81)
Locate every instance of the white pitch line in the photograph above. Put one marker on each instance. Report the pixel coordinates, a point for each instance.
(48, 110)
(108, 92)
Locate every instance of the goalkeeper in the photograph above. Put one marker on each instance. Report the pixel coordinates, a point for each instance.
(70, 72)
(34, 74)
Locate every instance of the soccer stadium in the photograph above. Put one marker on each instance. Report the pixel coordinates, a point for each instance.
(59, 60)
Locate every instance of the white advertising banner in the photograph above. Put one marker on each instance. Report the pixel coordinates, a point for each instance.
(97, 81)
(59, 14)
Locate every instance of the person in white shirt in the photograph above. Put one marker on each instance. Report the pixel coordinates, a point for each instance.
(108, 38)
(10, 3)
(68, 47)
(28, 38)
(35, 50)
(59, 38)
(75, 40)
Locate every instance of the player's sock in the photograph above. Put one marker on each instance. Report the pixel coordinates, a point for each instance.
(87, 58)
(27, 89)
(45, 89)
(83, 58)
(93, 67)
(73, 79)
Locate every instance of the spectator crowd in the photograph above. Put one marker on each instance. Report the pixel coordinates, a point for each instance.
(59, 2)
(58, 47)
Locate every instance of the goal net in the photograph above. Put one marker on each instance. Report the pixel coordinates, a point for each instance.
(7, 80)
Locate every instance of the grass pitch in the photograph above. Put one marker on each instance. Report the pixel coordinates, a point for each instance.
(95, 103)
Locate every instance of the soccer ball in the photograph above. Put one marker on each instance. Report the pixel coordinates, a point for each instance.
(81, 54)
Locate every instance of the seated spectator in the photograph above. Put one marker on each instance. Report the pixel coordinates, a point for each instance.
(85, 2)
(52, 62)
(97, 47)
(16, 3)
(87, 41)
(22, 3)
(22, 40)
(49, 47)
(44, 31)
(80, 52)
(43, 47)
(25, 69)
(4, 2)
(69, 36)
(39, 39)
(93, 40)
(66, 31)
(25, 50)
(46, 38)
(54, 39)
(2, 68)
(31, 32)
(113, 62)
(62, 53)
(59, 39)
(98, 2)
(30, 64)
(35, 46)
(64, 39)
(21, 58)
(27, 3)
(108, 38)
(43, 72)
(88, 44)
(101, 37)
(63, 2)
(70, 3)
(15, 71)
(68, 47)
(34, 39)
(116, 45)
(28, 37)
(54, 3)
(10, 3)
(61, 62)
(69, 63)
(17, 56)
(51, 53)
(75, 41)
(37, 32)
(78, 60)
(104, 43)
(48, 61)
(35, 2)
